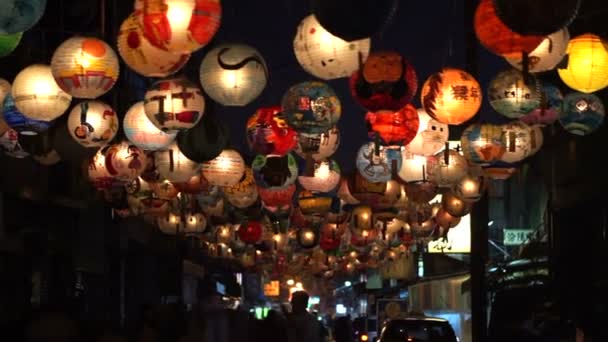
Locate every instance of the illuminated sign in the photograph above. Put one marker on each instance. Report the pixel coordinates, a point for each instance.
(272, 289)
(516, 237)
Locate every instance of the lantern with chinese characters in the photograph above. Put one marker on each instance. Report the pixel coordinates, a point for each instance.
(195, 223)
(124, 161)
(550, 107)
(275, 172)
(311, 107)
(324, 55)
(431, 136)
(582, 114)
(19, 122)
(204, 141)
(9, 42)
(37, 95)
(227, 169)
(97, 172)
(92, 123)
(482, 143)
(142, 132)
(547, 55)
(393, 127)
(85, 67)
(380, 166)
(244, 193)
(174, 104)
(537, 17)
(276, 197)
(470, 188)
(9, 144)
(413, 167)
(318, 146)
(250, 232)
(587, 64)
(518, 141)
(447, 168)
(179, 26)
(455, 206)
(20, 15)
(512, 95)
(143, 57)
(233, 74)
(451, 96)
(171, 164)
(268, 133)
(386, 81)
(325, 179)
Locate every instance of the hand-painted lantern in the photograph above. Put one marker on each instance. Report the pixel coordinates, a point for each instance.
(124, 161)
(325, 179)
(227, 169)
(9, 42)
(586, 69)
(512, 95)
(268, 133)
(250, 232)
(482, 143)
(20, 15)
(381, 166)
(10, 145)
(244, 193)
(582, 114)
(318, 146)
(92, 123)
(19, 122)
(195, 185)
(393, 127)
(413, 167)
(455, 206)
(173, 165)
(547, 55)
(536, 17)
(518, 141)
(310, 204)
(470, 188)
(430, 137)
(142, 132)
(174, 104)
(274, 172)
(447, 168)
(550, 107)
(276, 197)
(164, 189)
(451, 96)
(311, 107)
(386, 81)
(97, 172)
(205, 141)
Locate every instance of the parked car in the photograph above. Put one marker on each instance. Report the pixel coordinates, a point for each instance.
(417, 328)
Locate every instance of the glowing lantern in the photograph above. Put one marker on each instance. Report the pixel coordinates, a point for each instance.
(171, 224)
(142, 132)
(318, 146)
(587, 67)
(274, 172)
(394, 127)
(92, 123)
(378, 167)
(20, 15)
(547, 55)
(179, 26)
(37, 95)
(550, 107)
(19, 122)
(386, 81)
(482, 143)
(174, 104)
(195, 223)
(9, 42)
(511, 96)
(311, 107)
(278, 196)
(307, 237)
(143, 57)
(445, 220)
(5, 89)
(454, 205)
(495, 36)
(324, 55)
(268, 132)
(234, 74)
(582, 114)
(431, 136)
(518, 141)
(125, 162)
(85, 67)
(244, 193)
(227, 169)
(326, 177)
(9, 144)
(97, 172)
(470, 188)
(164, 189)
(537, 17)
(251, 232)
(447, 168)
(174, 166)
(413, 167)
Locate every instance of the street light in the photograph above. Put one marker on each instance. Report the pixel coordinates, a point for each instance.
(347, 283)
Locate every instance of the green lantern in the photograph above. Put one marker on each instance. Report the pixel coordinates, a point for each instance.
(9, 42)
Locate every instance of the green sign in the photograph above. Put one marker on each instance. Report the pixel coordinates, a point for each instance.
(516, 237)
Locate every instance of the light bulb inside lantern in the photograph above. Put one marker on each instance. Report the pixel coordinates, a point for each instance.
(277, 238)
(309, 236)
(230, 78)
(173, 219)
(299, 285)
(365, 233)
(353, 254)
(469, 185)
(223, 163)
(43, 87)
(224, 232)
(179, 14)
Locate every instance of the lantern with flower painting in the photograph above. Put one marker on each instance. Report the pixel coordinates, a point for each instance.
(174, 104)
(482, 143)
(172, 165)
(92, 123)
(311, 107)
(550, 107)
(244, 193)
(514, 94)
(430, 137)
(378, 164)
(274, 172)
(518, 141)
(318, 146)
(268, 133)
(125, 161)
(227, 169)
(325, 178)
(393, 127)
(582, 114)
(447, 168)
(142, 132)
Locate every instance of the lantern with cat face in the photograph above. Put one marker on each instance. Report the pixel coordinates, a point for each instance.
(431, 136)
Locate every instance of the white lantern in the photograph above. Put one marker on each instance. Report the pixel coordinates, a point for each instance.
(547, 55)
(195, 223)
(97, 172)
(447, 171)
(5, 89)
(324, 55)
(319, 145)
(174, 166)
(413, 167)
(142, 132)
(326, 177)
(92, 123)
(227, 169)
(233, 74)
(431, 137)
(85, 67)
(37, 95)
(171, 224)
(518, 141)
(125, 162)
(174, 104)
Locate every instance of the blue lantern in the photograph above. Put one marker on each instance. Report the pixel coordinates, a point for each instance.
(20, 15)
(582, 113)
(19, 122)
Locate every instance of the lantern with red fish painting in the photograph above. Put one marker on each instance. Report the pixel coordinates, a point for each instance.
(394, 127)
(268, 132)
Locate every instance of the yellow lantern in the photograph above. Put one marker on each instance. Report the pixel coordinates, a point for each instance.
(547, 55)
(227, 169)
(174, 166)
(37, 95)
(92, 123)
(142, 132)
(587, 68)
(324, 55)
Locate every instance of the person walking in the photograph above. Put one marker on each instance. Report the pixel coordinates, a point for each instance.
(301, 325)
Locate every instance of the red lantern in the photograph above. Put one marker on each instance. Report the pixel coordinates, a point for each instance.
(394, 127)
(251, 232)
(268, 132)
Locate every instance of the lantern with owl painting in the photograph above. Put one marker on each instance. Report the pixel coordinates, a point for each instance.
(19, 122)
(318, 146)
(124, 161)
(174, 104)
(550, 107)
(380, 166)
(586, 69)
(430, 137)
(311, 107)
(582, 114)
(513, 95)
(173, 165)
(274, 172)
(326, 177)
(547, 55)
(92, 123)
(482, 143)
(244, 193)
(393, 127)
(268, 133)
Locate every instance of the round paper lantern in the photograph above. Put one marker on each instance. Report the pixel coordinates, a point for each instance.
(547, 55)
(308, 237)
(311, 107)
(445, 220)
(413, 167)
(244, 193)
(142, 132)
(179, 26)
(445, 171)
(518, 141)
(174, 166)
(430, 137)
(318, 146)
(386, 81)
(195, 185)
(310, 204)
(511, 96)
(97, 172)
(495, 36)
(171, 224)
(276, 197)
(482, 143)
(9, 144)
(325, 179)
(378, 167)
(204, 141)
(587, 64)
(582, 114)
(195, 223)
(164, 189)
(85, 67)
(274, 172)
(251, 232)
(9, 42)
(268, 133)
(324, 55)
(125, 162)
(470, 188)
(37, 95)
(421, 192)
(393, 127)
(92, 123)
(227, 169)
(451, 96)
(536, 17)
(20, 15)
(550, 107)
(454, 205)
(174, 104)
(19, 122)
(143, 57)
(233, 74)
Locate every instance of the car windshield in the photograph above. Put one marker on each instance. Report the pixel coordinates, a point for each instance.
(418, 331)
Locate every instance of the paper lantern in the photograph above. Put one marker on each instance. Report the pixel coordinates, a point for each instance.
(5, 89)
(470, 188)
(268, 133)
(495, 36)
(421, 192)
(227, 169)
(9, 42)
(20, 15)
(196, 184)
(195, 223)
(482, 143)
(233, 74)
(413, 167)
(307, 237)
(536, 17)
(587, 64)
(393, 127)
(445, 220)
(386, 81)
(9, 144)
(537, 138)
(85, 67)
(164, 189)
(318, 146)
(430, 137)
(582, 114)
(251, 232)
(92, 123)
(325, 179)
(550, 107)
(447, 170)
(142, 132)
(143, 57)
(512, 95)
(276, 197)
(97, 173)
(174, 166)
(451, 96)
(324, 55)
(179, 26)
(19, 122)
(204, 141)
(518, 141)
(174, 104)
(274, 172)
(124, 161)
(311, 107)
(310, 204)
(547, 55)
(244, 193)
(378, 167)
(37, 95)
(454, 205)
(171, 224)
